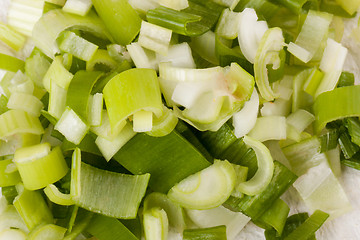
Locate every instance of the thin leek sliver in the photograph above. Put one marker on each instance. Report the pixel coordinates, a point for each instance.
(8, 178)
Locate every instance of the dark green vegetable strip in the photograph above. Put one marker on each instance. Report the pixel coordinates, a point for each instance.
(347, 147)
(78, 94)
(329, 140)
(346, 79)
(331, 6)
(82, 220)
(263, 8)
(255, 206)
(353, 126)
(213, 233)
(309, 227)
(10, 63)
(168, 159)
(134, 225)
(294, 5)
(107, 228)
(120, 19)
(353, 162)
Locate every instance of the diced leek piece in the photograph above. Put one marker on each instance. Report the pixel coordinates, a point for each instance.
(135, 89)
(107, 228)
(215, 233)
(79, 90)
(77, 46)
(142, 121)
(24, 204)
(265, 170)
(204, 45)
(10, 218)
(57, 100)
(72, 126)
(349, 6)
(13, 142)
(155, 224)
(109, 193)
(313, 81)
(154, 37)
(8, 178)
(120, 19)
(10, 63)
(227, 26)
(320, 189)
(267, 53)
(331, 64)
(141, 57)
(58, 74)
(19, 83)
(23, 15)
(312, 33)
(180, 55)
(38, 167)
(53, 193)
(13, 234)
(279, 107)
(109, 148)
(104, 130)
(241, 176)
(300, 119)
(18, 121)
(57, 2)
(25, 102)
(11, 37)
(245, 119)
(164, 124)
(346, 79)
(174, 4)
(206, 189)
(250, 33)
(118, 52)
(47, 231)
(78, 223)
(336, 104)
(79, 7)
(95, 109)
(347, 147)
(75, 183)
(51, 24)
(234, 221)
(333, 156)
(153, 158)
(101, 61)
(269, 128)
(174, 212)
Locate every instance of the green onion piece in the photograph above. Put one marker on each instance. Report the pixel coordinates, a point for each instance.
(15, 234)
(57, 73)
(107, 228)
(214, 233)
(346, 79)
(267, 53)
(8, 175)
(347, 147)
(47, 231)
(165, 172)
(188, 24)
(53, 193)
(309, 227)
(25, 102)
(11, 37)
(101, 61)
(336, 104)
(275, 217)
(206, 189)
(154, 37)
(38, 167)
(349, 6)
(120, 19)
(51, 24)
(255, 206)
(306, 45)
(18, 121)
(269, 128)
(79, 7)
(77, 46)
(79, 90)
(353, 126)
(24, 204)
(72, 126)
(135, 89)
(234, 221)
(10, 63)
(109, 193)
(174, 212)
(329, 140)
(164, 124)
(265, 170)
(155, 224)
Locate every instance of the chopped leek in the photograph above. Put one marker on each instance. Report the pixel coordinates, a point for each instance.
(214, 233)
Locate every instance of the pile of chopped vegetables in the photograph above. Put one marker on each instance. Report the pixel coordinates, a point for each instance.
(174, 119)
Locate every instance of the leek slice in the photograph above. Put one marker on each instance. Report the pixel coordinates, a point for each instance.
(219, 178)
(137, 89)
(79, 7)
(10, 218)
(316, 24)
(120, 19)
(11, 37)
(267, 53)
(104, 130)
(300, 119)
(269, 128)
(176, 5)
(214, 233)
(204, 45)
(336, 104)
(141, 57)
(164, 124)
(51, 24)
(179, 55)
(265, 170)
(155, 224)
(13, 234)
(13, 142)
(8, 178)
(24, 204)
(47, 231)
(95, 109)
(154, 37)
(10, 63)
(36, 66)
(349, 6)
(227, 27)
(75, 183)
(57, 73)
(25, 102)
(38, 167)
(233, 221)
(101, 61)
(18, 121)
(125, 192)
(53, 193)
(57, 100)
